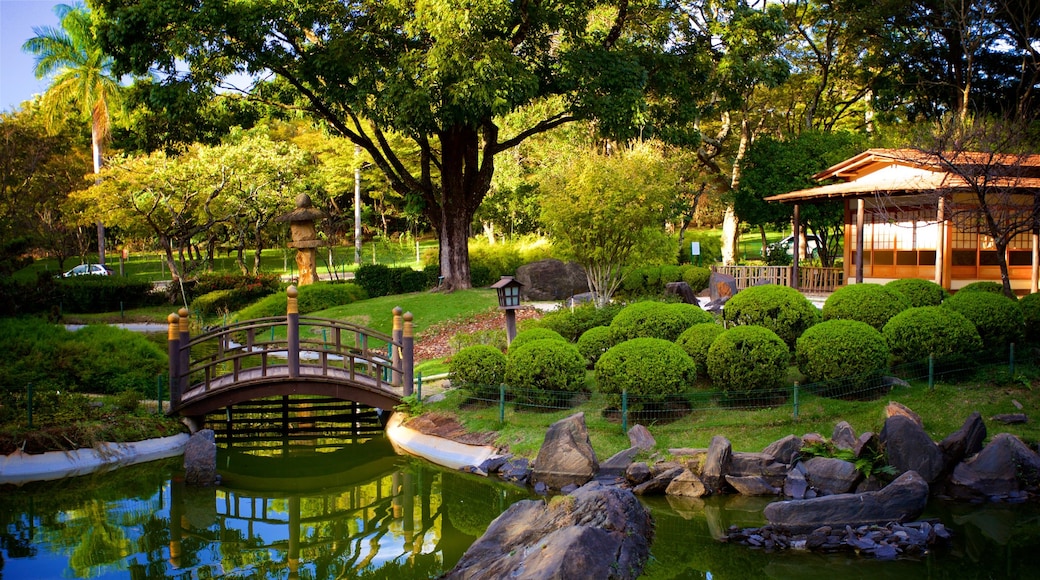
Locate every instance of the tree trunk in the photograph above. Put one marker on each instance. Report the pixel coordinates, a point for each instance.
(464, 182)
(95, 142)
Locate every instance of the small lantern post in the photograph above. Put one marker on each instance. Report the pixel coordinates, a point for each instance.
(509, 301)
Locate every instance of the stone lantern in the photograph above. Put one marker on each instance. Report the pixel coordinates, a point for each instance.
(509, 301)
(304, 237)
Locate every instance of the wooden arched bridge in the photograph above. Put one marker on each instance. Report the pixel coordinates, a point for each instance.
(294, 355)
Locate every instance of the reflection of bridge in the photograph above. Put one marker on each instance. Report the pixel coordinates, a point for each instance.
(295, 355)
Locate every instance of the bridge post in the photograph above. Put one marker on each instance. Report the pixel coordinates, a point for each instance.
(292, 330)
(408, 360)
(185, 322)
(395, 350)
(174, 352)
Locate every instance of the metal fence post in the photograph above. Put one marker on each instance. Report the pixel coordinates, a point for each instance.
(501, 403)
(418, 387)
(624, 410)
(795, 397)
(931, 371)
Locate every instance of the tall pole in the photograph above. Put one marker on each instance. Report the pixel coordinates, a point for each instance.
(292, 330)
(357, 205)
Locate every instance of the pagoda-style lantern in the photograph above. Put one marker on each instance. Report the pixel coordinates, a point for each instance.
(304, 237)
(509, 301)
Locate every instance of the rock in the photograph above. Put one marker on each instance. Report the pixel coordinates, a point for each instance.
(902, 500)
(494, 463)
(761, 465)
(866, 444)
(964, 442)
(658, 483)
(596, 532)
(895, 408)
(566, 455)
(1011, 418)
(686, 484)
(721, 286)
(716, 464)
(640, 438)
(752, 485)
(637, 473)
(682, 290)
(551, 280)
(844, 437)
(813, 439)
(831, 476)
(999, 471)
(517, 470)
(617, 464)
(784, 450)
(909, 448)
(200, 459)
(795, 484)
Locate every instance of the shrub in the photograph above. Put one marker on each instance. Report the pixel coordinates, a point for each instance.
(919, 292)
(696, 276)
(311, 298)
(381, 280)
(670, 274)
(842, 349)
(915, 333)
(532, 334)
(656, 320)
(104, 293)
(998, 318)
(110, 360)
(649, 369)
(696, 340)
(873, 304)
(496, 259)
(571, 323)
(543, 372)
(228, 300)
(1030, 305)
(984, 286)
(495, 337)
(594, 342)
(211, 282)
(783, 310)
(748, 362)
(480, 369)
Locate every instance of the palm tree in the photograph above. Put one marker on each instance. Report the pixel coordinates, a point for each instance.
(82, 77)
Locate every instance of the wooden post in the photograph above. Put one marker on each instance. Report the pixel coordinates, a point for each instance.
(395, 355)
(185, 332)
(860, 211)
(1034, 285)
(796, 235)
(174, 354)
(408, 347)
(292, 330)
(940, 242)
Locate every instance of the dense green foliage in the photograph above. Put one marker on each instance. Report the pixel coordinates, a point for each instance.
(311, 298)
(541, 370)
(383, 280)
(656, 320)
(998, 318)
(916, 333)
(650, 281)
(594, 342)
(783, 310)
(531, 334)
(873, 304)
(1030, 304)
(571, 323)
(841, 349)
(696, 340)
(648, 369)
(480, 368)
(983, 286)
(919, 292)
(748, 362)
(216, 293)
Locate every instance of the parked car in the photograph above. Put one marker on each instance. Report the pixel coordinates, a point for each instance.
(88, 270)
(812, 245)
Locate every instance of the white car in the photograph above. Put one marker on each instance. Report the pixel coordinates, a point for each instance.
(88, 270)
(812, 245)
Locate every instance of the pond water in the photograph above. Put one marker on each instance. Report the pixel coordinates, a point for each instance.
(363, 512)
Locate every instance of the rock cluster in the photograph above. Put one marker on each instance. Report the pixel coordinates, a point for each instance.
(881, 541)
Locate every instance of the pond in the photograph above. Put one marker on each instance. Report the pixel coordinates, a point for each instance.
(361, 511)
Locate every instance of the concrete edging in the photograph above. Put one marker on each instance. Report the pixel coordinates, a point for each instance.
(443, 452)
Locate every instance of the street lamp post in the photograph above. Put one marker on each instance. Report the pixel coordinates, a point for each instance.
(508, 301)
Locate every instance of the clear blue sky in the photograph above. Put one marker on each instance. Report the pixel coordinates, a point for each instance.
(17, 19)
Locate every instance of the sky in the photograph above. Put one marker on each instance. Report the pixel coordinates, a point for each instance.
(17, 19)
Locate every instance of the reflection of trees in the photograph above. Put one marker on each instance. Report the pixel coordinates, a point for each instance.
(102, 542)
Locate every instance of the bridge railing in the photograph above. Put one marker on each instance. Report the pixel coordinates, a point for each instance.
(289, 347)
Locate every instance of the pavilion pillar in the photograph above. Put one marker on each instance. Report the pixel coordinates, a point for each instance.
(940, 242)
(795, 246)
(1034, 285)
(860, 213)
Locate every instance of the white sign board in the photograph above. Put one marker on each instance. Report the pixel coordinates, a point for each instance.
(695, 248)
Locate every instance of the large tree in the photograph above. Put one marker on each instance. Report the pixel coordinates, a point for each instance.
(440, 73)
(82, 78)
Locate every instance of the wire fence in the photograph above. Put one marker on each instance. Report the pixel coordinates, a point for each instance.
(628, 408)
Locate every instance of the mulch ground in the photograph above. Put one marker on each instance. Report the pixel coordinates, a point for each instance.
(433, 342)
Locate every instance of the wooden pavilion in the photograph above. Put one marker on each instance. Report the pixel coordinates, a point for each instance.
(917, 215)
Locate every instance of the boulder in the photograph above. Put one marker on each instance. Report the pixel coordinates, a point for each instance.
(566, 455)
(761, 465)
(1000, 471)
(637, 473)
(752, 485)
(658, 482)
(795, 485)
(784, 450)
(640, 438)
(200, 459)
(1011, 418)
(895, 408)
(682, 290)
(716, 464)
(551, 280)
(686, 484)
(844, 437)
(964, 442)
(516, 470)
(909, 448)
(900, 501)
(596, 532)
(617, 464)
(866, 444)
(721, 287)
(830, 476)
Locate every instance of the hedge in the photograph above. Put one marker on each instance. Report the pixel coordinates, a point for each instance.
(532, 334)
(541, 370)
(480, 368)
(748, 363)
(783, 310)
(842, 349)
(696, 340)
(914, 334)
(998, 318)
(656, 320)
(649, 369)
(873, 304)
(919, 292)
(594, 342)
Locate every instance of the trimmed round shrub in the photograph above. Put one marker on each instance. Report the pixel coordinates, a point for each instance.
(670, 274)
(915, 333)
(748, 362)
(696, 340)
(696, 276)
(998, 318)
(783, 310)
(480, 369)
(594, 342)
(649, 369)
(984, 286)
(919, 292)
(573, 322)
(656, 320)
(1030, 304)
(847, 350)
(531, 334)
(873, 304)
(545, 372)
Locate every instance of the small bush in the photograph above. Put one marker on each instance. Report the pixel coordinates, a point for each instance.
(842, 349)
(670, 274)
(532, 334)
(919, 292)
(543, 372)
(312, 298)
(574, 322)
(495, 337)
(873, 304)
(381, 280)
(105, 293)
(211, 282)
(783, 310)
(696, 340)
(1030, 305)
(984, 286)
(227, 300)
(649, 369)
(748, 363)
(594, 342)
(998, 318)
(656, 320)
(480, 369)
(915, 333)
(696, 276)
